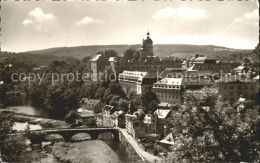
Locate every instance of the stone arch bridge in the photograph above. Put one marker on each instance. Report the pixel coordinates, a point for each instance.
(37, 136)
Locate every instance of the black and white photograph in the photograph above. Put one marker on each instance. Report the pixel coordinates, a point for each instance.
(129, 81)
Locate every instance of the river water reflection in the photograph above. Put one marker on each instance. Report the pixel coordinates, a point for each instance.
(117, 147)
(29, 110)
(21, 126)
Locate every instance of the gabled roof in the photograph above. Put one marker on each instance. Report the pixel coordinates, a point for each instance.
(139, 113)
(147, 119)
(175, 81)
(96, 57)
(200, 59)
(168, 139)
(150, 75)
(113, 59)
(240, 68)
(89, 103)
(241, 99)
(134, 73)
(164, 104)
(109, 108)
(85, 113)
(118, 113)
(162, 113)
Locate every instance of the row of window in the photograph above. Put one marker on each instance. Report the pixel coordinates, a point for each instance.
(239, 87)
(239, 93)
(213, 67)
(165, 86)
(166, 91)
(167, 96)
(184, 83)
(149, 81)
(127, 79)
(144, 67)
(140, 67)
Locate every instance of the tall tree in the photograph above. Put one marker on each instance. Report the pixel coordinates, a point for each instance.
(130, 53)
(148, 97)
(207, 130)
(71, 117)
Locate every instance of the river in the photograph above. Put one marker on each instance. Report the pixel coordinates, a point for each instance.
(26, 109)
(117, 147)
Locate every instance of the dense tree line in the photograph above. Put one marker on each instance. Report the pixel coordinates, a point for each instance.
(207, 130)
(62, 96)
(8, 66)
(36, 59)
(10, 148)
(240, 56)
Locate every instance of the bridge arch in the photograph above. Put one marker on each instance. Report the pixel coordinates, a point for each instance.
(53, 137)
(68, 133)
(108, 135)
(80, 137)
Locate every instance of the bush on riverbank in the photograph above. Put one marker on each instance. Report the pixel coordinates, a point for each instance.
(94, 151)
(13, 148)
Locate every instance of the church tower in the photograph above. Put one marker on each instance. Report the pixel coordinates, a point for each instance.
(147, 47)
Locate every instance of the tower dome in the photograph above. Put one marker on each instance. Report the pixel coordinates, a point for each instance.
(147, 47)
(148, 39)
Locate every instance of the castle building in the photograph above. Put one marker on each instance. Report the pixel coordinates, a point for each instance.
(201, 63)
(146, 62)
(98, 65)
(171, 90)
(147, 46)
(95, 64)
(90, 105)
(136, 81)
(232, 87)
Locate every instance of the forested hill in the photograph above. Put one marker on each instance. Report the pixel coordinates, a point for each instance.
(75, 54)
(178, 50)
(35, 59)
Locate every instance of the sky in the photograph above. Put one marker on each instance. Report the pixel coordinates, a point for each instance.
(35, 25)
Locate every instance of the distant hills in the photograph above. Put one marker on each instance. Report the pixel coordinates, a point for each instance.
(178, 50)
(74, 54)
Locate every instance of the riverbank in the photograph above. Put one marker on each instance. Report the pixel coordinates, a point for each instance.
(44, 122)
(130, 146)
(94, 151)
(17, 148)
